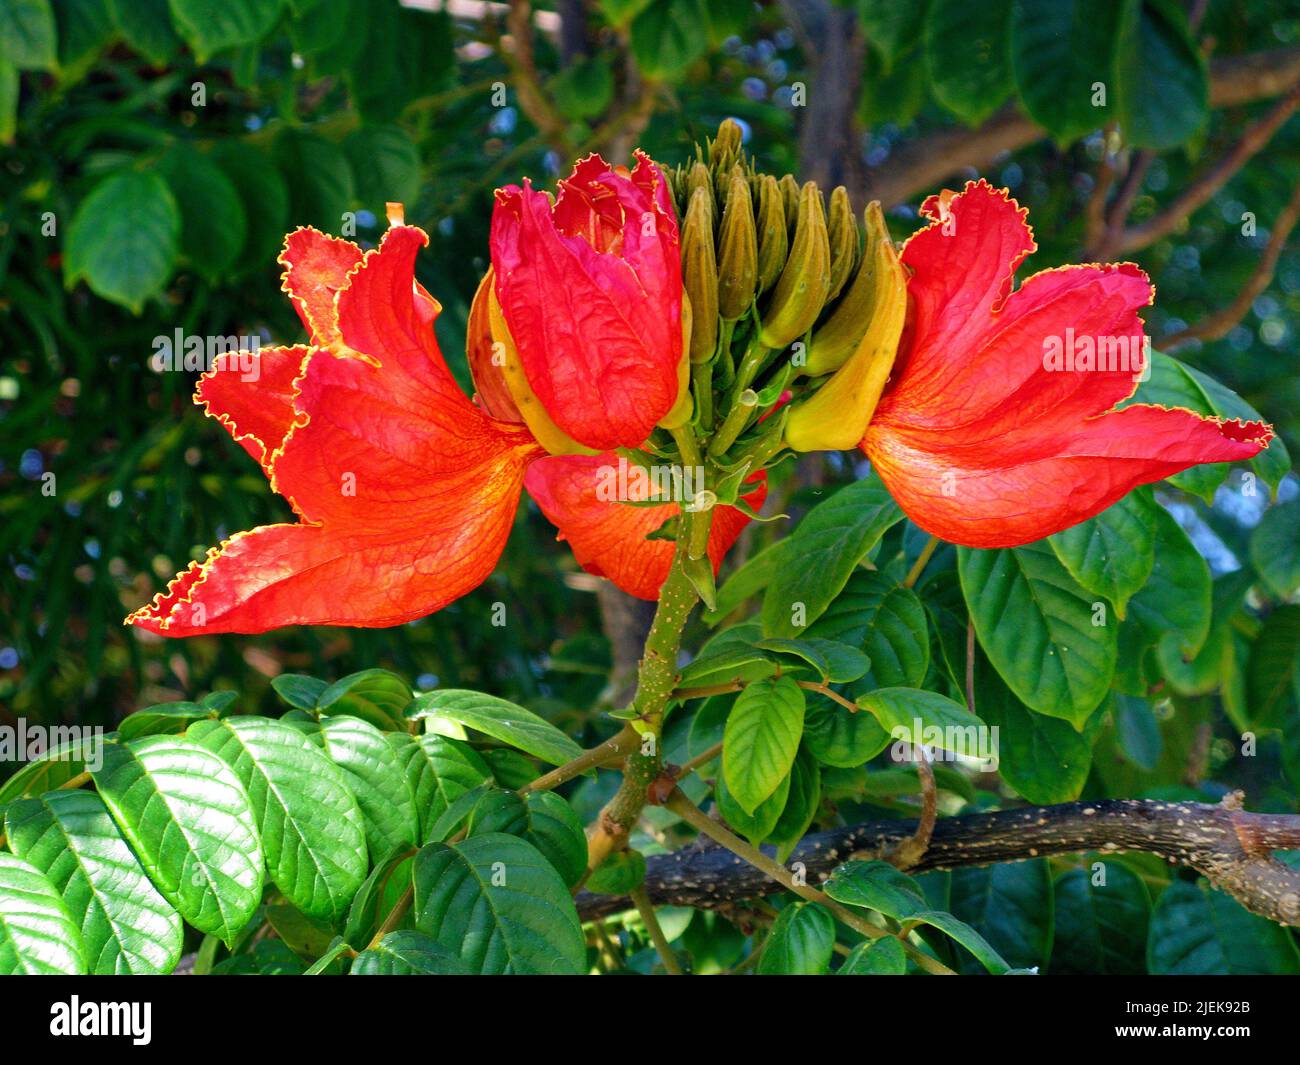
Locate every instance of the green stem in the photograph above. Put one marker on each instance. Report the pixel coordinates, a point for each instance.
(642, 903)
(702, 387)
(742, 409)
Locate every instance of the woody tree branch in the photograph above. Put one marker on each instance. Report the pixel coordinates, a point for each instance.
(926, 162)
(1231, 847)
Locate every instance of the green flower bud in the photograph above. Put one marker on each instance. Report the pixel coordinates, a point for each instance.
(835, 338)
(790, 200)
(773, 239)
(724, 149)
(843, 228)
(737, 250)
(700, 275)
(698, 178)
(800, 292)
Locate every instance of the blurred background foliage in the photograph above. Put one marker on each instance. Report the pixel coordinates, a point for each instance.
(156, 151)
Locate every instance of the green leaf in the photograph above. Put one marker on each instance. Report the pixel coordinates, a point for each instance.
(374, 695)
(377, 777)
(1112, 554)
(667, 36)
(1137, 732)
(387, 164)
(967, 52)
(305, 936)
(499, 719)
(37, 934)
(27, 34)
(440, 771)
(376, 897)
(747, 581)
(1060, 50)
(1175, 384)
(265, 199)
(187, 817)
(84, 28)
(1046, 760)
(146, 25)
(1275, 549)
(408, 954)
(756, 826)
(53, 769)
(583, 90)
(1174, 604)
(801, 804)
(1197, 931)
(877, 886)
(495, 901)
(1161, 90)
(8, 101)
(838, 737)
(1037, 626)
(126, 926)
(892, 28)
(801, 943)
(543, 819)
(1273, 677)
(124, 238)
(209, 26)
(925, 717)
(299, 690)
(823, 552)
(320, 178)
(837, 662)
(213, 225)
(309, 821)
(876, 957)
(1101, 929)
(1010, 906)
(897, 637)
(621, 872)
(165, 717)
(761, 738)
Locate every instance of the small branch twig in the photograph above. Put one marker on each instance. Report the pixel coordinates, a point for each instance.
(613, 748)
(1198, 193)
(909, 852)
(1222, 321)
(647, 911)
(1225, 843)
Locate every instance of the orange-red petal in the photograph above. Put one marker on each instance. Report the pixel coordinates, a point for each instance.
(252, 393)
(608, 538)
(316, 268)
(406, 491)
(983, 437)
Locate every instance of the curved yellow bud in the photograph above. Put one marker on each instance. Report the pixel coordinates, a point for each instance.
(835, 417)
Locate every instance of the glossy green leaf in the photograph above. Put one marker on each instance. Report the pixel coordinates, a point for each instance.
(1160, 81)
(299, 690)
(1061, 51)
(211, 26)
(498, 904)
(321, 183)
(839, 737)
(146, 26)
(37, 934)
(311, 828)
(621, 872)
(1275, 549)
(1197, 931)
(877, 886)
(126, 927)
(758, 825)
(124, 238)
(890, 27)
(876, 957)
(836, 662)
(163, 718)
(377, 776)
(500, 719)
(52, 769)
(408, 954)
(188, 819)
(801, 943)
(1273, 674)
(1101, 928)
(968, 56)
(542, 818)
(374, 695)
(1174, 604)
(27, 35)
(1010, 906)
(387, 164)
(1112, 554)
(667, 36)
(1037, 626)
(824, 550)
(800, 805)
(440, 771)
(925, 717)
(761, 738)
(213, 225)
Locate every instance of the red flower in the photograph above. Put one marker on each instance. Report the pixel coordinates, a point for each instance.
(405, 490)
(990, 433)
(591, 290)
